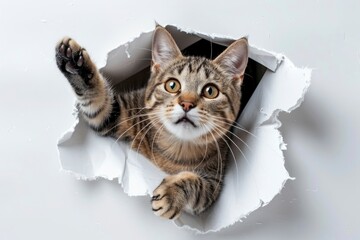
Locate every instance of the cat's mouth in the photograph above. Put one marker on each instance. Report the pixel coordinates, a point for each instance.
(185, 119)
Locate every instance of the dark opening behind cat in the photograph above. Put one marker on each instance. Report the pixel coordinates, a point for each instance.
(180, 121)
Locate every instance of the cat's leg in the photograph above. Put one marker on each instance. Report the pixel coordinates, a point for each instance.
(96, 101)
(185, 191)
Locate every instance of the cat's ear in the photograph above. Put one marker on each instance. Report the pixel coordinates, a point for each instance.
(234, 59)
(164, 48)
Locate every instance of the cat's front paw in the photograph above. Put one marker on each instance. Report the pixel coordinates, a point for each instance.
(74, 62)
(168, 199)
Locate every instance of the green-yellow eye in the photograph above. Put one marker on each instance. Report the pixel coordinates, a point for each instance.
(210, 91)
(172, 85)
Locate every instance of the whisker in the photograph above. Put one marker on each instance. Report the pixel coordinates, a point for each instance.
(214, 124)
(226, 121)
(131, 118)
(218, 170)
(152, 144)
(246, 131)
(206, 148)
(234, 124)
(242, 153)
(130, 109)
(130, 129)
(151, 123)
(232, 153)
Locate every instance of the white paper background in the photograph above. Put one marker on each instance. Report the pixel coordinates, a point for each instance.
(37, 202)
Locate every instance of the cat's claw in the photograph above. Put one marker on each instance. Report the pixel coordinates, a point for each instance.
(167, 201)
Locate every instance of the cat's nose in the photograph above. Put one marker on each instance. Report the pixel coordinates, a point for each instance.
(187, 106)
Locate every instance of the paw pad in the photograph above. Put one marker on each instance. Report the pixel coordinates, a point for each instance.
(72, 59)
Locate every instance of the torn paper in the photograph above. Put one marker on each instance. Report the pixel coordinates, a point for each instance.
(256, 171)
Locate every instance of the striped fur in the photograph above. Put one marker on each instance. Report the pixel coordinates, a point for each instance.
(193, 151)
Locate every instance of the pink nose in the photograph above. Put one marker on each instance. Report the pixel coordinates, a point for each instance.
(187, 106)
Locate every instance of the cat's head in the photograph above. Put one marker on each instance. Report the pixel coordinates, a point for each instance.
(192, 97)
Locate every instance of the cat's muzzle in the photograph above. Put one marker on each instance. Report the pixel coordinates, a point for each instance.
(185, 119)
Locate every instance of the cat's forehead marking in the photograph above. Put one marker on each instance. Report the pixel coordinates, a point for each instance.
(193, 73)
(180, 68)
(198, 66)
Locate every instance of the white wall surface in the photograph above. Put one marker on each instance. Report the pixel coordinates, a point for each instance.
(38, 202)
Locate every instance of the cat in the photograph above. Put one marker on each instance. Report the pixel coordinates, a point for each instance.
(180, 121)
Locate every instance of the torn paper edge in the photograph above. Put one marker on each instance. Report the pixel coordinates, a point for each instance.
(213, 36)
(271, 60)
(274, 118)
(66, 136)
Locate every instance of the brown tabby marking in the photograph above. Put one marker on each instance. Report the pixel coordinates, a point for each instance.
(185, 132)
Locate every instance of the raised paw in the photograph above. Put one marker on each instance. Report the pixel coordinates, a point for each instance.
(74, 62)
(168, 200)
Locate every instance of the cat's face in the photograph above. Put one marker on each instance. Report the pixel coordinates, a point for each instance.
(192, 97)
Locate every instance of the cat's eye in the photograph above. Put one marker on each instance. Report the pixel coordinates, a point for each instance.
(210, 91)
(172, 85)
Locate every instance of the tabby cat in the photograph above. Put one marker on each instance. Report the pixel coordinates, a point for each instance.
(180, 120)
